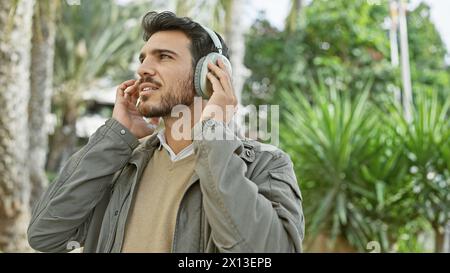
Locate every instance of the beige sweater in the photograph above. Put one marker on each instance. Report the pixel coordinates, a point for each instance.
(151, 223)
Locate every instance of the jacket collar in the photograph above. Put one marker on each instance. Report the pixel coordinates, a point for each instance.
(141, 155)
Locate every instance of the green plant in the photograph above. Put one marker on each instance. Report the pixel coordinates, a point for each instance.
(331, 137)
(346, 41)
(368, 174)
(93, 41)
(426, 144)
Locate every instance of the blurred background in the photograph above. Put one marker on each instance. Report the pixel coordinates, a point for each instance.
(363, 88)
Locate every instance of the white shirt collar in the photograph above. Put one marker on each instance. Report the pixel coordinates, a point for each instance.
(189, 150)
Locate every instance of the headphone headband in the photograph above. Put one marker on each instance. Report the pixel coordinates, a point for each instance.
(214, 38)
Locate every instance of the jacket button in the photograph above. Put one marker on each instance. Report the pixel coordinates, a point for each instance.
(116, 213)
(122, 132)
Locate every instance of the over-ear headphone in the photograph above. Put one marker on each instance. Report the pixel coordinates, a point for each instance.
(203, 87)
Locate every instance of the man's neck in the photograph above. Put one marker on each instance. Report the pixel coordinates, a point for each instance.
(176, 144)
(172, 130)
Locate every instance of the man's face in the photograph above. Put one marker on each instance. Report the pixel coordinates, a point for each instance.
(166, 77)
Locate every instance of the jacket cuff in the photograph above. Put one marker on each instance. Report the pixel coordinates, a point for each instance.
(122, 132)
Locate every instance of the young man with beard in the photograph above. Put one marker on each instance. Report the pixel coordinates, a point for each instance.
(165, 193)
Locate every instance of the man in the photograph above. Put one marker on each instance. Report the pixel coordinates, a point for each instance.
(171, 194)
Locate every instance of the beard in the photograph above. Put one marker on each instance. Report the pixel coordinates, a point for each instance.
(181, 93)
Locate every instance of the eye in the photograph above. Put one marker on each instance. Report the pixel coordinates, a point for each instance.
(164, 56)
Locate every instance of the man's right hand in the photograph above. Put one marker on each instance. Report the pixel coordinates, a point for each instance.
(126, 113)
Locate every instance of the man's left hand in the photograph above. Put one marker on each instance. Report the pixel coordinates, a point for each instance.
(222, 103)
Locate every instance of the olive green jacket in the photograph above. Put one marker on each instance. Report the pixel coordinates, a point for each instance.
(244, 198)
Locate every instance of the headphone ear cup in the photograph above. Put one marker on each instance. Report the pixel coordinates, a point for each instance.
(198, 78)
(202, 85)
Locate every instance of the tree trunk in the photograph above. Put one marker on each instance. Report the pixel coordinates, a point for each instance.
(439, 236)
(292, 18)
(42, 53)
(15, 45)
(235, 39)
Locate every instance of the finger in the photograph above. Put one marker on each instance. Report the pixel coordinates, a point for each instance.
(135, 92)
(126, 84)
(226, 80)
(133, 88)
(229, 85)
(221, 64)
(217, 70)
(121, 88)
(129, 91)
(222, 75)
(134, 98)
(216, 85)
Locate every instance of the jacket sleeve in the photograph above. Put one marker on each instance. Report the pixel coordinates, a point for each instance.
(63, 212)
(259, 215)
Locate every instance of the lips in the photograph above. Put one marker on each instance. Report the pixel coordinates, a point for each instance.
(147, 88)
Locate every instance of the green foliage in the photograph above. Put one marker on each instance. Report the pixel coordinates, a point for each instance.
(326, 137)
(330, 137)
(98, 39)
(94, 38)
(365, 172)
(343, 42)
(427, 53)
(276, 60)
(426, 144)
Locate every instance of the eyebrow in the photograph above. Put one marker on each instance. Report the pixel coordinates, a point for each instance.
(155, 52)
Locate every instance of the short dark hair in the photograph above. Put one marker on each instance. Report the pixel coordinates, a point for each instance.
(201, 43)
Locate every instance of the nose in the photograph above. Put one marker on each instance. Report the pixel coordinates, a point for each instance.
(146, 69)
